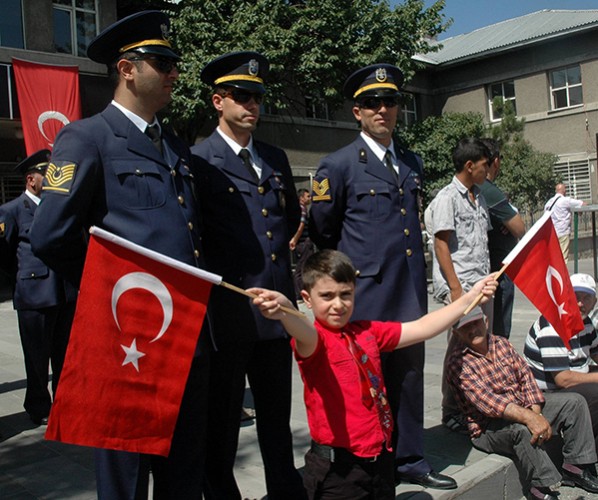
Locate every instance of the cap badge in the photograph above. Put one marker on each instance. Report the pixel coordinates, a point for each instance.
(165, 31)
(254, 67)
(381, 74)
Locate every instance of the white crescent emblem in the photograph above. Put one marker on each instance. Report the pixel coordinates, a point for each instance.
(151, 284)
(551, 272)
(50, 115)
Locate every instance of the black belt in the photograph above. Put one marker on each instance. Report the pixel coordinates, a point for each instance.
(340, 454)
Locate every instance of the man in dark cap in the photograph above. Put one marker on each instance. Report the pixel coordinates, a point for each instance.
(122, 171)
(365, 203)
(250, 212)
(45, 304)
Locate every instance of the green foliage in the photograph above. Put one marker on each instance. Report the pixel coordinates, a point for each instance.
(526, 174)
(312, 45)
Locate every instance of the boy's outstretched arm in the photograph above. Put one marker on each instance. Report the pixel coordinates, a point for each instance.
(432, 324)
(269, 303)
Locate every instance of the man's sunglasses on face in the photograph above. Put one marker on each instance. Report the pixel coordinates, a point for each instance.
(243, 96)
(376, 102)
(162, 64)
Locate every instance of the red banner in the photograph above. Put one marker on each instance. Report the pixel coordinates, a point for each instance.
(48, 100)
(133, 338)
(537, 267)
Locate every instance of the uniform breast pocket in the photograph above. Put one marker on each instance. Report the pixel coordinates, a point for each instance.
(373, 199)
(33, 271)
(141, 185)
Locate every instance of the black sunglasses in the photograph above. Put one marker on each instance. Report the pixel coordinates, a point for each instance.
(162, 64)
(376, 102)
(243, 96)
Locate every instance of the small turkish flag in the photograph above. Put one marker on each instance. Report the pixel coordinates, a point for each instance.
(537, 267)
(133, 338)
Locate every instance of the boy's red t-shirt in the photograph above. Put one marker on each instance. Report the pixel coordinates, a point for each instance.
(336, 413)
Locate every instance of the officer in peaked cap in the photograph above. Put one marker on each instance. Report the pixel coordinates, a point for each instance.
(45, 304)
(359, 192)
(145, 32)
(125, 172)
(242, 70)
(250, 210)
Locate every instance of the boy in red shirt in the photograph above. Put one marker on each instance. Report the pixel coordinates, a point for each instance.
(349, 416)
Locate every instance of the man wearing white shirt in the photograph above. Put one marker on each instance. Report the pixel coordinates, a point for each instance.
(560, 207)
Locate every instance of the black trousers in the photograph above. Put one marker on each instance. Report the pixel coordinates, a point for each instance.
(268, 366)
(44, 337)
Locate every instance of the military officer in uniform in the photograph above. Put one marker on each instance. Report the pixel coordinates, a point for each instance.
(250, 211)
(365, 202)
(45, 303)
(122, 171)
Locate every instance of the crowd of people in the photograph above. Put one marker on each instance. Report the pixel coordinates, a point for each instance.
(229, 204)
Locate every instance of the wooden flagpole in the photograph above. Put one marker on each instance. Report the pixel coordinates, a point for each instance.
(481, 295)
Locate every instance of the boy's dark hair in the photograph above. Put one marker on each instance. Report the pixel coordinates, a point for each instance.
(469, 149)
(493, 148)
(301, 192)
(331, 263)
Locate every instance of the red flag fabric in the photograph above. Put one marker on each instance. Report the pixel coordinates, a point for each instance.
(537, 267)
(48, 100)
(133, 338)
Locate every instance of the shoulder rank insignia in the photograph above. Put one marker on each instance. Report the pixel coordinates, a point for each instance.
(321, 190)
(59, 178)
(2, 229)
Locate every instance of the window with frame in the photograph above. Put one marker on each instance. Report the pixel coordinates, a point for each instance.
(565, 87)
(8, 103)
(75, 25)
(408, 114)
(317, 108)
(11, 25)
(505, 91)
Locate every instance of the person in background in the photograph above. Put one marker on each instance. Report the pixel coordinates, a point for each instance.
(300, 243)
(44, 302)
(507, 229)
(560, 207)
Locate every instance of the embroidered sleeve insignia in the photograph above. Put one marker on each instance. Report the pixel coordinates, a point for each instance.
(321, 190)
(59, 178)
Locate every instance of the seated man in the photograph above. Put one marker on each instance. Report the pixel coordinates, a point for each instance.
(557, 368)
(507, 413)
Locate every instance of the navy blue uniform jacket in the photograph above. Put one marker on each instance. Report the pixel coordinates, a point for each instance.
(247, 228)
(35, 285)
(122, 184)
(359, 208)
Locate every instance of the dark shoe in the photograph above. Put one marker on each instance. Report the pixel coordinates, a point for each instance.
(586, 480)
(39, 420)
(431, 480)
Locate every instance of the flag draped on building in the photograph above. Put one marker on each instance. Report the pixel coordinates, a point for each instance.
(537, 267)
(133, 339)
(48, 100)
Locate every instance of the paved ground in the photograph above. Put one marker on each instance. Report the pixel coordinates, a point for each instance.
(31, 468)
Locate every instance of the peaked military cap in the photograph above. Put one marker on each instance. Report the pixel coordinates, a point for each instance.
(244, 70)
(145, 32)
(375, 80)
(37, 162)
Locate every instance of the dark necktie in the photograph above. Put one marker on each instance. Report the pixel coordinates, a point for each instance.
(245, 156)
(153, 132)
(389, 165)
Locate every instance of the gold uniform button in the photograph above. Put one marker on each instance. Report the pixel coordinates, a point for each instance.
(372, 192)
(403, 211)
(273, 257)
(231, 189)
(406, 231)
(260, 189)
(181, 200)
(409, 252)
(401, 192)
(137, 171)
(173, 172)
(269, 234)
(196, 253)
(265, 212)
(190, 225)
(357, 273)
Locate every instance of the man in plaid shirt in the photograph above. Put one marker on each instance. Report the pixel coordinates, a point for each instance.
(507, 413)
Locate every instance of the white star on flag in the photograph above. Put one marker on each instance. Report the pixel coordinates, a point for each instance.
(133, 354)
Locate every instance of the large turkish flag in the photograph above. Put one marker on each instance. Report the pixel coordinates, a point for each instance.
(133, 338)
(537, 267)
(48, 100)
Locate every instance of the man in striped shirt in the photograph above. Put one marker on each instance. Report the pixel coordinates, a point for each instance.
(557, 368)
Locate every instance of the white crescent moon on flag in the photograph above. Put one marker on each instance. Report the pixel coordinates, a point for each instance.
(551, 272)
(50, 115)
(153, 285)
